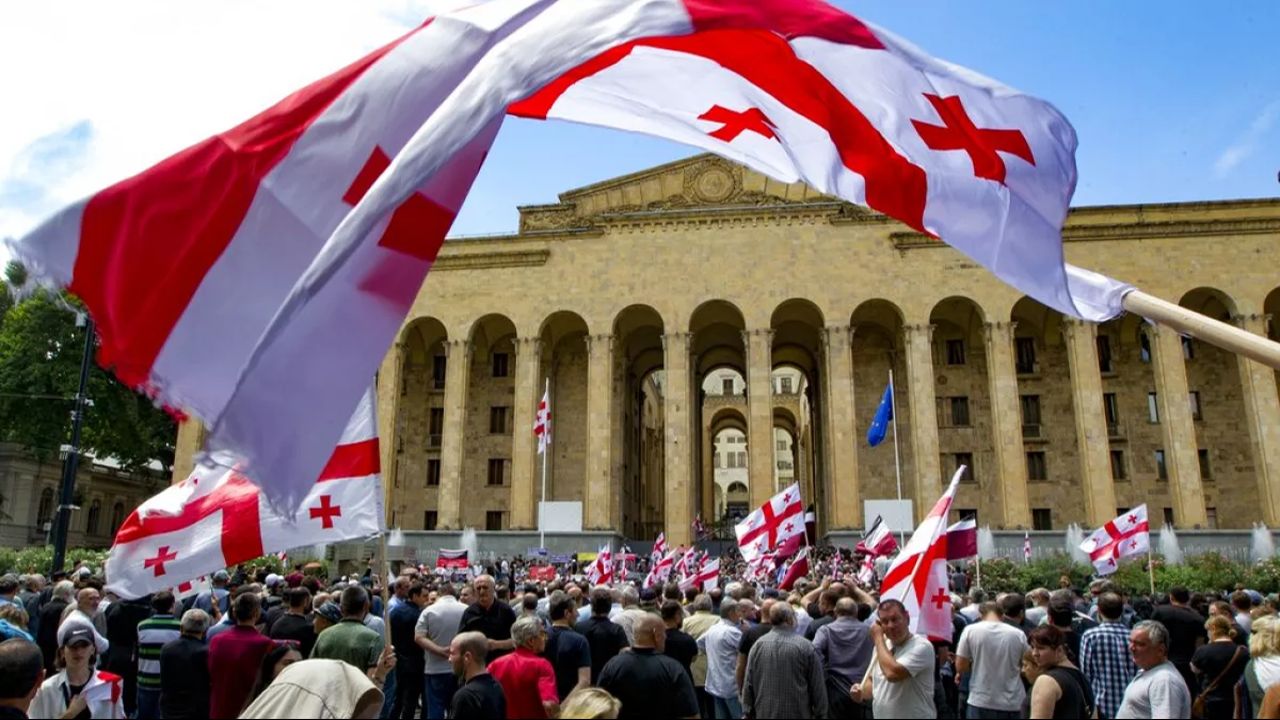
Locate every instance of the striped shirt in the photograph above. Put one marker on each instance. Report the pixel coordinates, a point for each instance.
(1105, 660)
(153, 633)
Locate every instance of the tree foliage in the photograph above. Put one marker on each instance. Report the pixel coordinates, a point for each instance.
(40, 352)
(1208, 572)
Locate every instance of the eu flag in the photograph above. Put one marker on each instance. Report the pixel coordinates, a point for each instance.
(884, 414)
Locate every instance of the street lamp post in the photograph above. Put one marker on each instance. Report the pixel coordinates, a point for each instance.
(72, 461)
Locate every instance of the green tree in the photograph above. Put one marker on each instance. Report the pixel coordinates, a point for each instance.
(40, 351)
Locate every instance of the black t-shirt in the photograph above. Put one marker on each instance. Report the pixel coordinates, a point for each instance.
(1211, 660)
(682, 648)
(1184, 626)
(70, 691)
(1076, 699)
(751, 635)
(481, 698)
(270, 617)
(184, 679)
(567, 651)
(649, 686)
(606, 639)
(295, 627)
(494, 623)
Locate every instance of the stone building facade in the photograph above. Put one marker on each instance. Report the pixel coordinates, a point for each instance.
(624, 297)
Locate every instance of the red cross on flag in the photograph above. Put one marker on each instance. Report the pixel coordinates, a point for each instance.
(542, 423)
(1126, 536)
(918, 576)
(775, 521)
(215, 518)
(704, 578)
(661, 570)
(600, 571)
(659, 548)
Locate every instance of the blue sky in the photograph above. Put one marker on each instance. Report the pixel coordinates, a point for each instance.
(1171, 101)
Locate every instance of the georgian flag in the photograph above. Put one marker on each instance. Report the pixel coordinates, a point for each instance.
(878, 540)
(798, 568)
(659, 548)
(661, 570)
(705, 577)
(542, 422)
(1126, 536)
(780, 518)
(600, 571)
(918, 576)
(216, 518)
(302, 236)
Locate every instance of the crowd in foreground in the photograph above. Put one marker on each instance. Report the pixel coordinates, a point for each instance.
(267, 646)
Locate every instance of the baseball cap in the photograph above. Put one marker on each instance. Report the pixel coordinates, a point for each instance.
(78, 635)
(221, 575)
(329, 611)
(274, 580)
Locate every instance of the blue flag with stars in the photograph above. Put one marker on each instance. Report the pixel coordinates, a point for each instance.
(884, 415)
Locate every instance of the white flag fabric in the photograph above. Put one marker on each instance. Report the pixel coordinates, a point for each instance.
(542, 423)
(918, 576)
(600, 571)
(303, 235)
(660, 570)
(1128, 535)
(780, 518)
(659, 547)
(215, 518)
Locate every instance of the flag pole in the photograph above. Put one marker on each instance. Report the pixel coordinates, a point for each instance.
(1151, 569)
(897, 461)
(546, 434)
(1215, 332)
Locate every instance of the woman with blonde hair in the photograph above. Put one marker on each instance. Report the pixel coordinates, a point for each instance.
(1218, 666)
(1263, 671)
(590, 702)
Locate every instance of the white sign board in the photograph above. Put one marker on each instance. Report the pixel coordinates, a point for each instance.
(560, 516)
(896, 514)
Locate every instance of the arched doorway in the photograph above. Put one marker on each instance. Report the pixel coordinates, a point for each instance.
(419, 425)
(877, 349)
(961, 385)
(638, 331)
(798, 430)
(717, 345)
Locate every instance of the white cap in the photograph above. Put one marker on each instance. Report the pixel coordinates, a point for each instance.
(274, 580)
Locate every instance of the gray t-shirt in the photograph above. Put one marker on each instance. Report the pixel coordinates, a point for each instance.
(439, 623)
(1156, 693)
(996, 651)
(911, 698)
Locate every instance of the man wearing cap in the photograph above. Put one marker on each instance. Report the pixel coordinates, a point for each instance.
(273, 605)
(218, 593)
(78, 688)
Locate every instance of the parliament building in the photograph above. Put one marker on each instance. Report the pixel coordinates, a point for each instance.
(708, 335)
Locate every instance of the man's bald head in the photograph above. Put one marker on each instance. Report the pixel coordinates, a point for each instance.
(650, 632)
(846, 607)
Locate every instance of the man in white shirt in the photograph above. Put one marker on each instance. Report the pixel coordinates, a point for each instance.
(992, 651)
(437, 625)
(900, 684)
(720, 645)
(1158, 690)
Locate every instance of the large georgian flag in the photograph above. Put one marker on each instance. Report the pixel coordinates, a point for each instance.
(918, 576)
(258, 278)
(779, 519)
(1126, 536)
(216, 518)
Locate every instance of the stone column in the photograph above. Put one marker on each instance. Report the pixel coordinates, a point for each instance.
(456, 381)
(678, 451)
(599, 484)
(1262, 412)
(1006, 426)
(387, 395)
(526, 468)
(1180, 450)
(760, 455)
(918, 340)
(1092, 445)
(844, 496)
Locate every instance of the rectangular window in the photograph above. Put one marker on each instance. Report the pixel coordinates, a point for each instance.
(782, 446)
(1194, 397)
(1188, 348)
(498, 420)
(497, 468)
(786, 386)
(1041, 519)
(1030, 415)
(1153, 408)
(1104, 354)
(1168, 516)
(966, 513)
(1036, 469)
(1211, 517)
(955, 352)
(967, 460)
(726, 386)
(1162, 472)
(433, 472)
(429, 520)
(493, 520)
(1118, 469)
(960, 411)
(1203, 455)
(435, 421)
(742, 459)
(784, 464)
(1025, 355)
(1144, 347)
(500, 362)
(1111, 410)
(439, 365)
(716, 461)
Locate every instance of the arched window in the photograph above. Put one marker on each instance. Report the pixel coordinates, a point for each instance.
(45, 513)
(95, 515)
(117, 517)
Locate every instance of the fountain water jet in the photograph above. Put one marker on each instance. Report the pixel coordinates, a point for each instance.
(986, 543)
(1075, 536)
(1169, 546)
(1262, 546)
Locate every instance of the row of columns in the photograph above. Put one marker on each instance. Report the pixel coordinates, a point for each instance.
(681, 435)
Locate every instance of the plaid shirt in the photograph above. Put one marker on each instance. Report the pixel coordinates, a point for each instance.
(1105, 661)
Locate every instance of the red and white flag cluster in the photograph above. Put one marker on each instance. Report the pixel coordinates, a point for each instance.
(303, 235)
(659, 548)
(215, 518)
(600, 571)
(878, 540)
(1126, 536)
(661, 570)
(796, 569)
(771, 524)
(542, 423)
(918, 576)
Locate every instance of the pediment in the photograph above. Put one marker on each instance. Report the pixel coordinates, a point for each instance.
(703, 181)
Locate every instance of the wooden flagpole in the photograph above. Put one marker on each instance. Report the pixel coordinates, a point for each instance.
(1151, 570)
(1216, 332)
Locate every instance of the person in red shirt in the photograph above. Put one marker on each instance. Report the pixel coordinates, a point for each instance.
(527, 679)
(234, 657)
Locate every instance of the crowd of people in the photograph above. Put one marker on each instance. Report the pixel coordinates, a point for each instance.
(264, 645)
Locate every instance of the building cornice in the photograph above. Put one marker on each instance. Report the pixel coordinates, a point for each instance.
(1126, 231)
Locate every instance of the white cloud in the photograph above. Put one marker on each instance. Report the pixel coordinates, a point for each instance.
(95, 91)
(1247, 144)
